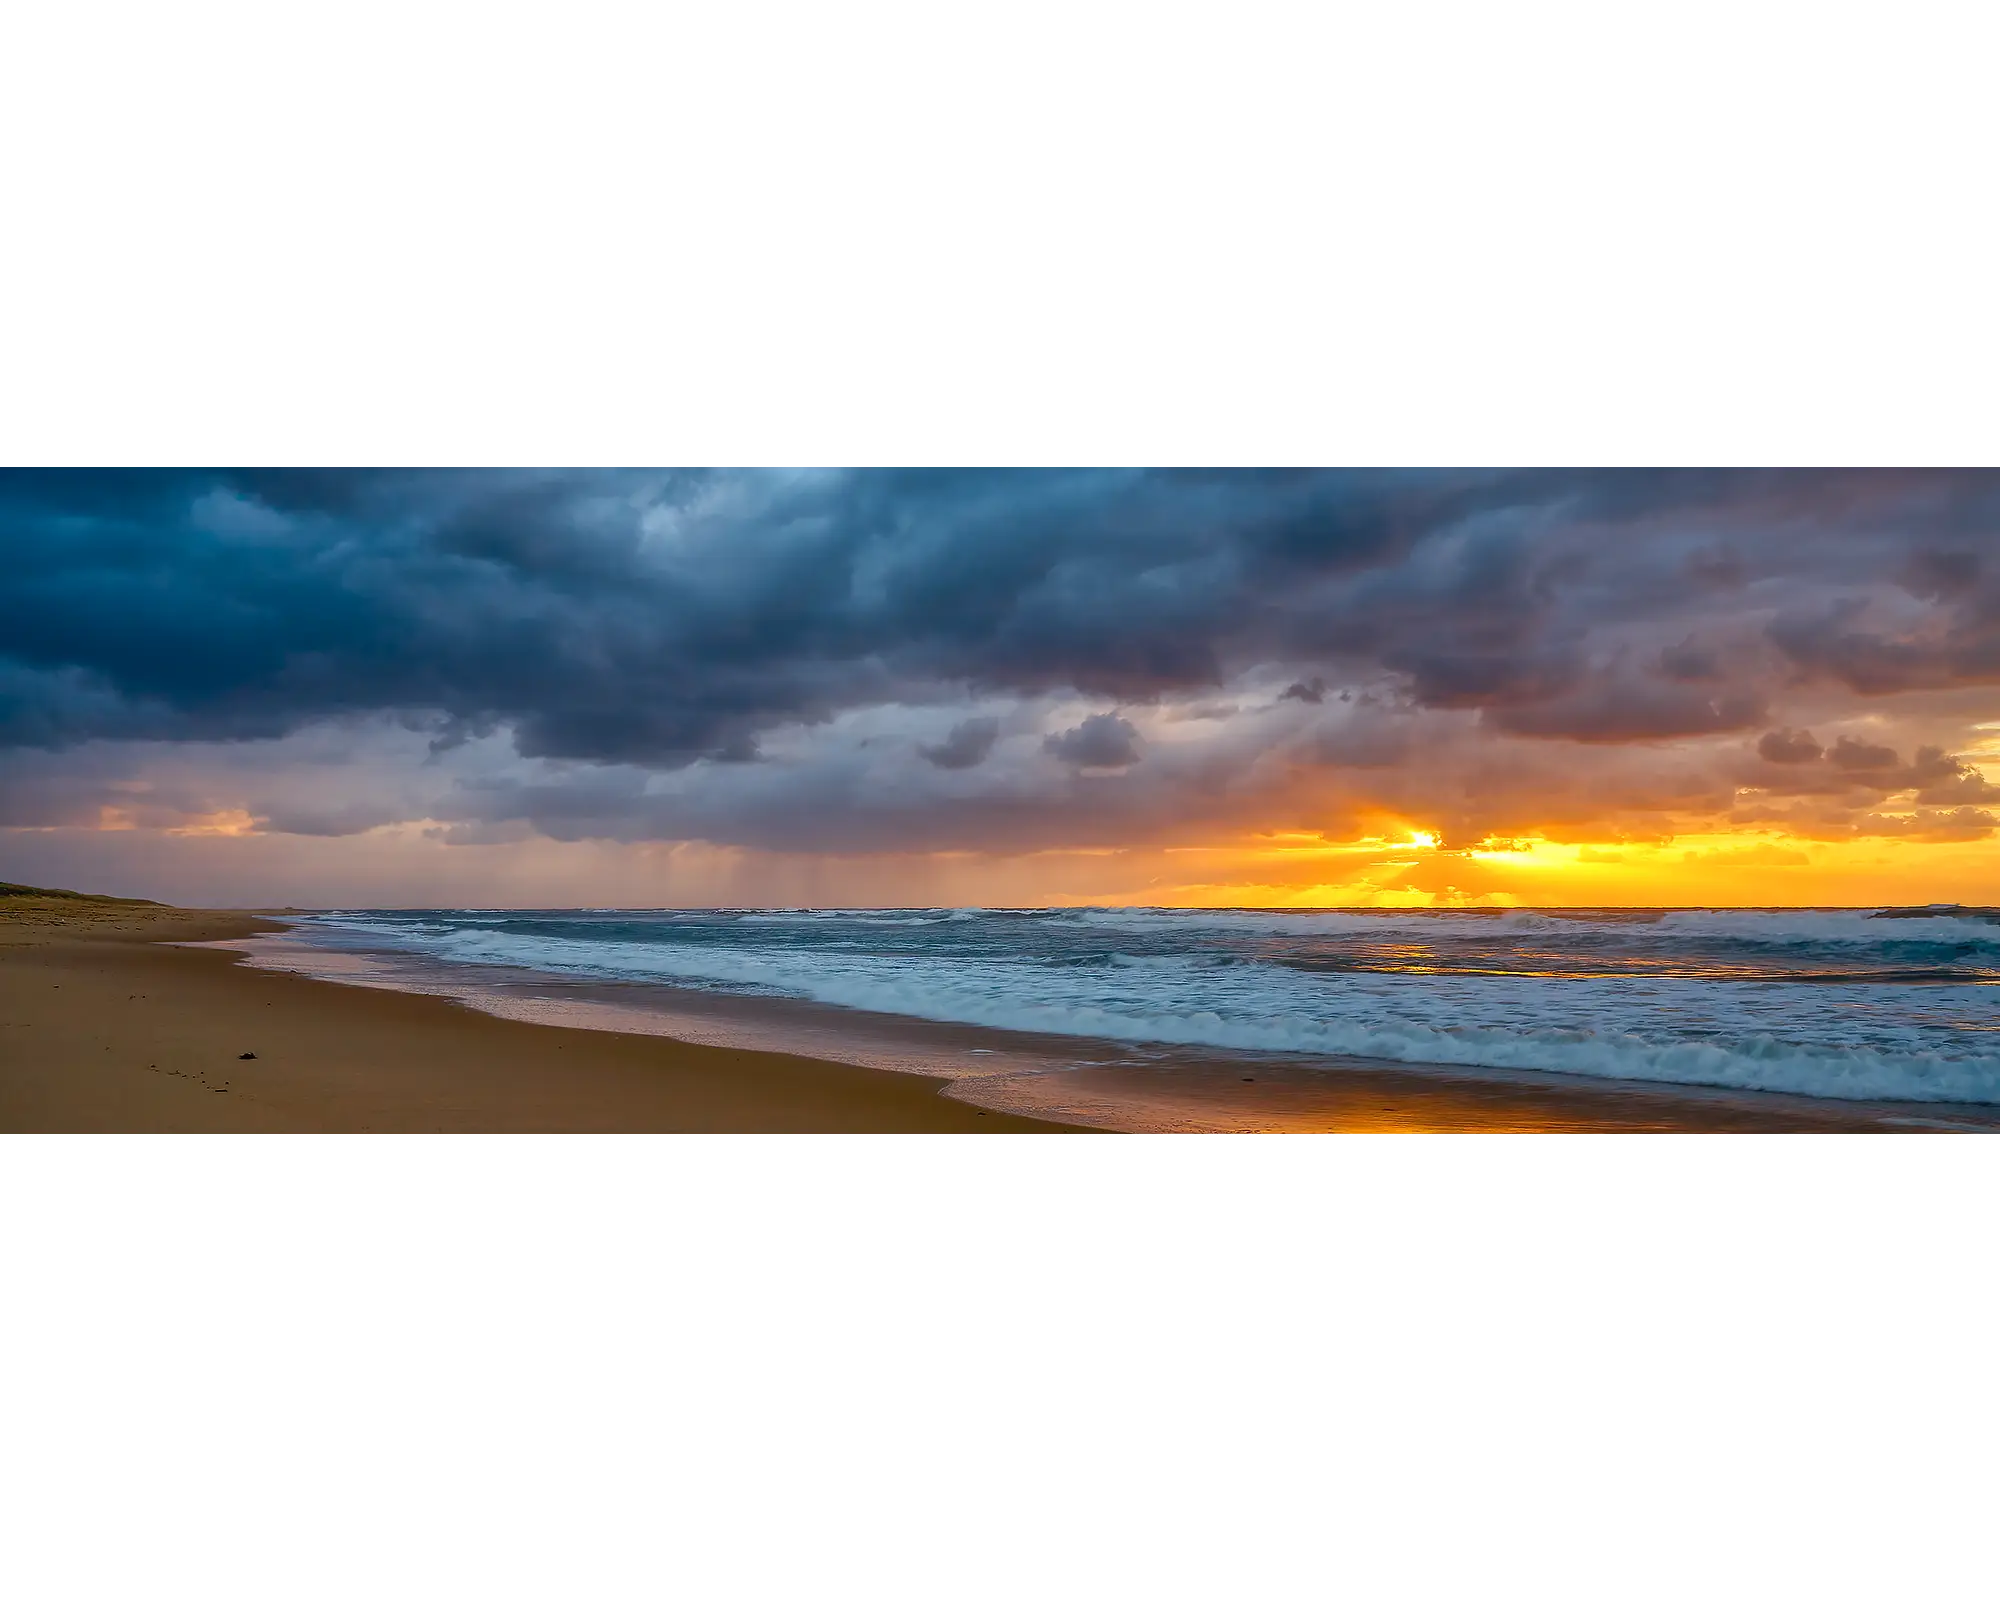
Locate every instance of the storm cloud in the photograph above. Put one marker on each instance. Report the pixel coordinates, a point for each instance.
(804, 659)
(1105, 740)
(968, 744)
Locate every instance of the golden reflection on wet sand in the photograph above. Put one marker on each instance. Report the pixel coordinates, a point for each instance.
(1364, 1098)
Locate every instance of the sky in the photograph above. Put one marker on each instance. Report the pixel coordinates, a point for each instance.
(942, 687)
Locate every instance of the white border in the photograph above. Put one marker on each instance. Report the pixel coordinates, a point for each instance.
(413, 1366)
(1441, 234)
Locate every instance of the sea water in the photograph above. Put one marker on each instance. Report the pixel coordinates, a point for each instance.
(1839, 1005)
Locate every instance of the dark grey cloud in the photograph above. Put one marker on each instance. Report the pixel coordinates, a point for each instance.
(1789, 746)
(667, 617)
(968, 744)
(1105, 740)
(1625, 710)
(1857, 755)
(658, 618)
(1950, 639)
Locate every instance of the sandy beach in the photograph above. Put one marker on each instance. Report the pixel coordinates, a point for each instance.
(107, 1027)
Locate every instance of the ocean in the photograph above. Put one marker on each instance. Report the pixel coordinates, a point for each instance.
(1245, 1019)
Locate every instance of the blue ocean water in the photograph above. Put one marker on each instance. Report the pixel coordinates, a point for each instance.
(1836, 1004)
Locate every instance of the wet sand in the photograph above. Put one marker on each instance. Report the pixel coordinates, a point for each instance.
(106, 1029)
(1359, 1096)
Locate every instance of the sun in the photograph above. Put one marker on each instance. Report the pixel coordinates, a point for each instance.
(1422, 840)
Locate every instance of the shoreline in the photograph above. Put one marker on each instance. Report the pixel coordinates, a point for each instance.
(1750, 1020)
(109, 1024)
(1125, 1087)
(1113, 1086)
